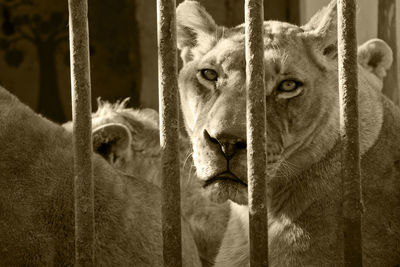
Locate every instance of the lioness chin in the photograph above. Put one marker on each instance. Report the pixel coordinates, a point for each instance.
(304, 181)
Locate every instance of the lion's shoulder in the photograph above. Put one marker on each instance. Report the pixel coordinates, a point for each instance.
(36, 195)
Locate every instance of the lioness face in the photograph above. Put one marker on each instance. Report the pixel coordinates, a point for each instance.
(301, 96)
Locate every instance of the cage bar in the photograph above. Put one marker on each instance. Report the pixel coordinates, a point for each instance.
(349, 131)
(256, 133)
(169, 134)
(82, 132)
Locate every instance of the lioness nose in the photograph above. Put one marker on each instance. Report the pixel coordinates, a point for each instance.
(229, 144)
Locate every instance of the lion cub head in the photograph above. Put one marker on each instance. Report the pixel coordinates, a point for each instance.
(302, 96)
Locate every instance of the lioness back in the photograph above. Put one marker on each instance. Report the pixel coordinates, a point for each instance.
(36, 196)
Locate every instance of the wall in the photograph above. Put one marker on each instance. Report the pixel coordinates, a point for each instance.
(34, 59)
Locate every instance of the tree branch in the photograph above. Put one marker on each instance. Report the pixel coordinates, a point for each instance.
(26, 35)
(16, 5)
(58, 35)
(14, 39)
(60, 39)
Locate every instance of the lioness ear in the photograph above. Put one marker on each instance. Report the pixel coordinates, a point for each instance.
(323, 27)
(113, 142)
(195, 27)
(376, 56)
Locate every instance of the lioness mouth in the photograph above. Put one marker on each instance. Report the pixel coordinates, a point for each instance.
(224, 176)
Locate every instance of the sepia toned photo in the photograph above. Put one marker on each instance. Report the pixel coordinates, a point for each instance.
(200, 133)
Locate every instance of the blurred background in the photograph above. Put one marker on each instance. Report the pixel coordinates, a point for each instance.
(34, 56)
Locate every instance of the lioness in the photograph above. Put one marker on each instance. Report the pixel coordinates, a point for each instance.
(304, 184)
(36, 200)
(129, 140)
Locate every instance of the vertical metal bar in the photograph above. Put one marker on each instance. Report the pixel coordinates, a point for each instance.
(349, 131)
(168, 94)
(256, 133)
(387, 31)
(82, 132)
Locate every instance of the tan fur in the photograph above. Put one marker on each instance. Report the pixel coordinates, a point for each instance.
(36, 196)
(140, 156)
(304, 187)
(376, 57)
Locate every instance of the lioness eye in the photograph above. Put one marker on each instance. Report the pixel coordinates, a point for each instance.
(288, 85)
(209, 74)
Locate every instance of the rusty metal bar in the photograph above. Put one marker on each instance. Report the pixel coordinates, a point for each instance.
(169, 134)
(256, 133)
(387, 31)
(349, 131)
(82, 132)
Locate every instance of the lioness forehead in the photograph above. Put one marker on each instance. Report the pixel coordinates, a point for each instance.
(270, 28)
(285, 50)
(279, 39)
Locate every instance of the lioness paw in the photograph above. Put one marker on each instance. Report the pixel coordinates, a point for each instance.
(375, 56)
